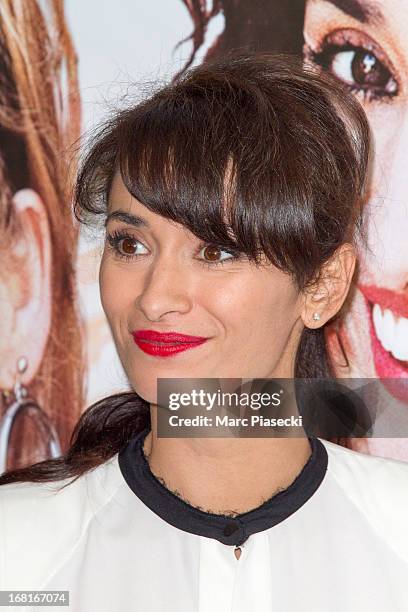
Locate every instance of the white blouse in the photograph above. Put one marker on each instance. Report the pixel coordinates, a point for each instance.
(117, 539)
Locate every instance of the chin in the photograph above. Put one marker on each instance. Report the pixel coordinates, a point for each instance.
(147, 391)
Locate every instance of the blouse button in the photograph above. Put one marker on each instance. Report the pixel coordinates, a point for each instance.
(230, 528)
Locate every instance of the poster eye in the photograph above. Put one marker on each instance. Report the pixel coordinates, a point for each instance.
(359, 67)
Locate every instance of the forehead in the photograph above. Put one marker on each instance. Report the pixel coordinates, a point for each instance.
(123, 206)
(119, 198)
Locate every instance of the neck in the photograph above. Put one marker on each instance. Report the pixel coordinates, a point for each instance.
(227, 476)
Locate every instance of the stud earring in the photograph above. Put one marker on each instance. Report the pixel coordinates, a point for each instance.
(316, 316)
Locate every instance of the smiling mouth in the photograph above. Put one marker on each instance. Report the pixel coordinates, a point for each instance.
(165, 344)
(392, 332)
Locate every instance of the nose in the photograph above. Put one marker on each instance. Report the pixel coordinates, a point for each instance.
(166, 288)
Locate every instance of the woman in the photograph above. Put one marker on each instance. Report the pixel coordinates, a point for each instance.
(365, 47)
(41, 373)
(243, 184)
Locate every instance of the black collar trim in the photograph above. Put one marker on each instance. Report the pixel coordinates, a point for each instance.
(227, 530)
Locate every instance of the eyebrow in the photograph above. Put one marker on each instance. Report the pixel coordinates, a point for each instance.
(122, 215)
(362, 10)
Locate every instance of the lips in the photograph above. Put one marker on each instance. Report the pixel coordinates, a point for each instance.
(386, 299)
(165, 344)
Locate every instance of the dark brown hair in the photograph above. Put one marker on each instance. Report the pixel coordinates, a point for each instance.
(295, 147)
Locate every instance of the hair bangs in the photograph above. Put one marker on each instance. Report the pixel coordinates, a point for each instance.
(176, 161)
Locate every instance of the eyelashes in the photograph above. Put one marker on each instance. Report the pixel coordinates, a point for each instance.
(114, 239)
(357, 62)
(118, 241)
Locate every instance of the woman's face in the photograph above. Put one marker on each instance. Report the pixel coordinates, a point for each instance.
(365, 45)
(159, 276)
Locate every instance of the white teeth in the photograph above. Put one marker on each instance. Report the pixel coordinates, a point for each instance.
(377, 320)
(400, 348)
(392, 332)
(388, 330)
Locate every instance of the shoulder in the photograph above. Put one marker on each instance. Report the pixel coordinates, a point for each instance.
(40, 523)
(378, 487)
(386, 473)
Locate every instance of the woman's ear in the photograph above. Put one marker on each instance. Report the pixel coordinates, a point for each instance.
(25, 290)
(327, 296)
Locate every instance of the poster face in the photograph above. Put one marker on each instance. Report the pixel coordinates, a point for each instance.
(364, 47)
(55, 344)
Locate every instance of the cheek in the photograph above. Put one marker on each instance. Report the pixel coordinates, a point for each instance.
(117, 293)
(386, 124)
(250, 313)
(106, 291)
(235, 304)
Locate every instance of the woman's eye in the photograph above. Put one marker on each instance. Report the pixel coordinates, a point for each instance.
(123, 244)
(212, 253)
(359, 68)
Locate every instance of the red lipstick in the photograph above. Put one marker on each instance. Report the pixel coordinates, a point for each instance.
(165, 344)
(386, 298)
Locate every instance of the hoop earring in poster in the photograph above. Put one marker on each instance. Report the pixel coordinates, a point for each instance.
(20, 405)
